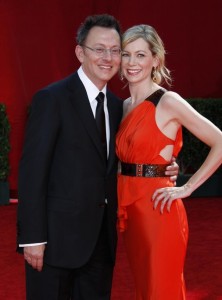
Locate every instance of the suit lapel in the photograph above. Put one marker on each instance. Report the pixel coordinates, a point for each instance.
(82, 106)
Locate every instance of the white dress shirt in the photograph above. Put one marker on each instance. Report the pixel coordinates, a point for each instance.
(92, 92)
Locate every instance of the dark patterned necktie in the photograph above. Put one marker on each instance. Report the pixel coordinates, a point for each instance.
(100, 121)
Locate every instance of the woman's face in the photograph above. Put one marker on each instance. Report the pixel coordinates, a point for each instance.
(137, 61)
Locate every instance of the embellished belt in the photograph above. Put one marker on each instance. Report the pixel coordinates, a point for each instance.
(143, 170)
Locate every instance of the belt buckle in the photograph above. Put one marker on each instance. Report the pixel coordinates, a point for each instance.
(139, 170)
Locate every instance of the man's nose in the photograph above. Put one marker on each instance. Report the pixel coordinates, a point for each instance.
(107, 54)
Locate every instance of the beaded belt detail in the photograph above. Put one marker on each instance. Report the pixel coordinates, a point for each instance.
(143, 170)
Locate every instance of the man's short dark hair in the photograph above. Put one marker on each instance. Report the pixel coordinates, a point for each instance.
(104, 20)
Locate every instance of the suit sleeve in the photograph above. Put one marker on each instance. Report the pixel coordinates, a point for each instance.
(41, 133)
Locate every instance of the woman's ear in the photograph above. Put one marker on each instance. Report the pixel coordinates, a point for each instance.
(156, 62)
(79, 53)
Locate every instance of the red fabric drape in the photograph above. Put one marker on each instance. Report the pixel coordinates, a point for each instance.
(37, 42)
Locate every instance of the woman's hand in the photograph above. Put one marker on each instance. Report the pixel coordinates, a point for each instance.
(166, 196)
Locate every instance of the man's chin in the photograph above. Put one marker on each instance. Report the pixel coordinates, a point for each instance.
(107, 77)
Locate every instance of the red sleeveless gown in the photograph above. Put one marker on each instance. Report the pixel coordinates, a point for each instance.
(155, 243)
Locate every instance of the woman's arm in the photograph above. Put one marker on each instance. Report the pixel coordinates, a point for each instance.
(177, 111)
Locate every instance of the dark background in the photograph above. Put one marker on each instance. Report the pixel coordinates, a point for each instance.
(37, 42)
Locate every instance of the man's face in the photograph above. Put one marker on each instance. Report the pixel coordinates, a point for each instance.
(100, 67)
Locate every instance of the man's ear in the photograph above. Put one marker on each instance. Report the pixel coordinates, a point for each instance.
(79, 53)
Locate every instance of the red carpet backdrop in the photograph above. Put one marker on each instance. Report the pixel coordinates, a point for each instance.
(38, 41)
(203, 268)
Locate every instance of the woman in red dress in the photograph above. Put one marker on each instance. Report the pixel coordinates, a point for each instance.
(151, 213)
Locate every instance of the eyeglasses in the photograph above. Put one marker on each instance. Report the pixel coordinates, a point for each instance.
(103, 51)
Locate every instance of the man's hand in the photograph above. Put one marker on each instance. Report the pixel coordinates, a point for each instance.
(173, 171)
(34, 256)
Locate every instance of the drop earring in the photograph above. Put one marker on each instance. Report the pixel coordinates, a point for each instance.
(154, 73)
(121, 76)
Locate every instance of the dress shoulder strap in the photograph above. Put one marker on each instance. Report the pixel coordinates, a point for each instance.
(155, 97)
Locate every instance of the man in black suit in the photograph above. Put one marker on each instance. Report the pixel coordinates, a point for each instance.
(67, 176)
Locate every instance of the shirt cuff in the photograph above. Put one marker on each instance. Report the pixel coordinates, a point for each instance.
(33, 244)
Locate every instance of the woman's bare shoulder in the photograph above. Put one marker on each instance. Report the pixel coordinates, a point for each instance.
(170, 97)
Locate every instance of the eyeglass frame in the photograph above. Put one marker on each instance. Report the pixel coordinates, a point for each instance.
(104, 51)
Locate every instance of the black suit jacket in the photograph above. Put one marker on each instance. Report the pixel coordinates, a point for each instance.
(63, 176)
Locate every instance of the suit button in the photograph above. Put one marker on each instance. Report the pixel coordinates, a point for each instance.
(102, 204)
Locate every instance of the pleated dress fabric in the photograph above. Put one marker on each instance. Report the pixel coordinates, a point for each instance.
(155, 243)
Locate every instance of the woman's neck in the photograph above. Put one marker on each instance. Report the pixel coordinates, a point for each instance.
(140, 92)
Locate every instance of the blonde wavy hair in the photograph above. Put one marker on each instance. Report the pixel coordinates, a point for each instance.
(156, 46)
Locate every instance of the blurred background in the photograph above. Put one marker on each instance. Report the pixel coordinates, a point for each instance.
(37, 43)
